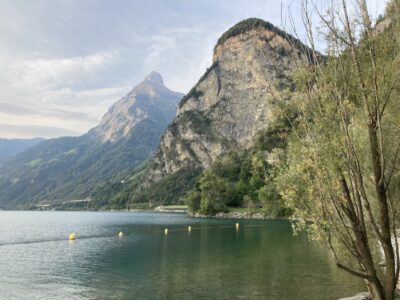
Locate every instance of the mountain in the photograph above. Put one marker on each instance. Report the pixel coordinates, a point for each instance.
(11, 147)
(69, 168)
(224, 111)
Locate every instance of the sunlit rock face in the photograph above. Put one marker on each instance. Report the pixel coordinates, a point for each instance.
(252, 64)
(150, 99)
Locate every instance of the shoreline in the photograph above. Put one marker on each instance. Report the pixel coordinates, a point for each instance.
(220, 215)
(235, 215)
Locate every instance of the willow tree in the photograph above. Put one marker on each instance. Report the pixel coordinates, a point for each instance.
(342, 174)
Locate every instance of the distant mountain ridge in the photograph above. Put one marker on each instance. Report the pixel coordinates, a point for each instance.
(11, 147)
(70, 168)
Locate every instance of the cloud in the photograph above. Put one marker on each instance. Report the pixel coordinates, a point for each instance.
(181, 50)
(14, 109)
(71, 124)
(56, 91)
(93, 103)
(22, 131)
(54, 73)
(64, 106)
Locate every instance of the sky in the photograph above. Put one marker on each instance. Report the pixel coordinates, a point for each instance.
(63, 63)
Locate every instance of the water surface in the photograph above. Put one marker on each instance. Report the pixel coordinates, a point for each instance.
(262, 260)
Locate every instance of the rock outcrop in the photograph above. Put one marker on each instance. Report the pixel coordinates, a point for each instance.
(150, 99)
(232, 101)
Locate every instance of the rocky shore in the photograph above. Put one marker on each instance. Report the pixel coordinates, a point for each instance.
(166, 209)
(233, 215)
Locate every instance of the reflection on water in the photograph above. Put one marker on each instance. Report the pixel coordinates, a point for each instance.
(262, 260)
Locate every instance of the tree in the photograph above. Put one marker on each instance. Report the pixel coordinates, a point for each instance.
(342, 172)
(193, 200)
(212, 194)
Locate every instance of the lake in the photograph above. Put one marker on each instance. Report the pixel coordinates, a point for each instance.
(261, 260)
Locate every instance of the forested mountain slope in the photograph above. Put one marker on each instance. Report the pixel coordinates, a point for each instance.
(70, 168)
(11, 147)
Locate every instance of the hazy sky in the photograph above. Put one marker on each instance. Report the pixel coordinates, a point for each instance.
(64, 62)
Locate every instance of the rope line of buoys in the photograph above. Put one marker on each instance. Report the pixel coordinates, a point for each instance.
(189, 229)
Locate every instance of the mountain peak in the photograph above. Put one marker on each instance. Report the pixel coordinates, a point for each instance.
(251, 24)
(244, 26)
(150, 99)
(154, 77)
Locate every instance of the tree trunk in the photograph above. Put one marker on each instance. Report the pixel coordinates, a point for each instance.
(390, 272)
(376, 291)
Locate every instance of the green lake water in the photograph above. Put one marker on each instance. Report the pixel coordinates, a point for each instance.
(262, 260)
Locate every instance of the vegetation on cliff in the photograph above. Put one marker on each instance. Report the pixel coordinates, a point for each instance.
(193, 93)
(127, 194)
(11, 147)
(255, 23)
(246, 178)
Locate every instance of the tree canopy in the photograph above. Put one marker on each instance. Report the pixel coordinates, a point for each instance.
(342, 169)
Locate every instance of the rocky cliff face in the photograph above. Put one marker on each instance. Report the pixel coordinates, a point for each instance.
(149, 99)
(252, 63)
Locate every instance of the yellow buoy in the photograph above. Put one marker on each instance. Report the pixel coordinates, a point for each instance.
(120, 234)
(72, 236)
(166, 230)
(190, 228)
(237, 226)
